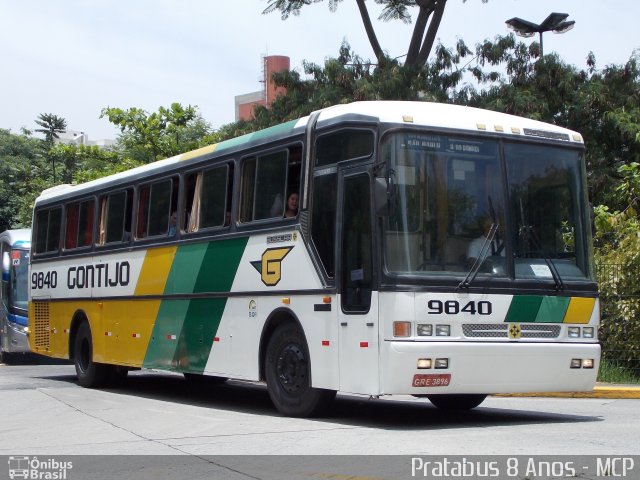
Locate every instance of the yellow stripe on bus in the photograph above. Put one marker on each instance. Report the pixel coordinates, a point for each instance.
(198, 152)
(155, 271)
(579, 310)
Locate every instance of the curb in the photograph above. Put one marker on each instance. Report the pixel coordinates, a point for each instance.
(599, 391)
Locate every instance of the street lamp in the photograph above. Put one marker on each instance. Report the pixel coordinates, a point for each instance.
(555, 23)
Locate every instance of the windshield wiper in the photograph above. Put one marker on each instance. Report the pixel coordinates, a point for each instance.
(530, 233)
(482, 256)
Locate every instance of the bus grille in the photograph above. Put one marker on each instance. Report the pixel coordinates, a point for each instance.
(41, 324)
(500, 330)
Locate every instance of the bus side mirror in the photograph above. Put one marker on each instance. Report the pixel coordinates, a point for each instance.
(382, 188)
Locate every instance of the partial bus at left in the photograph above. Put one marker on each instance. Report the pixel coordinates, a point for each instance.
(15, 246)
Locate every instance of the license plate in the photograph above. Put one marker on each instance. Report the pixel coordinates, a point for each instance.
(431, 380)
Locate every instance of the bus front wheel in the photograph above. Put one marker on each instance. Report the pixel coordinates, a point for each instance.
(90, 374)
(454, 402)
(288, 374)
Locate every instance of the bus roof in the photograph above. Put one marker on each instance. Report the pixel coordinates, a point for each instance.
(437, 115)
(19, 238)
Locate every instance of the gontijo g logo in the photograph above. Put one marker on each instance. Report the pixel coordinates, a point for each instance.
(270, 267)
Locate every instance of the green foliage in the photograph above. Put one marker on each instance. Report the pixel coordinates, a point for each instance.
(23, 174)
(428, 15)
(618, 258)
(51, 125)
(147, 137)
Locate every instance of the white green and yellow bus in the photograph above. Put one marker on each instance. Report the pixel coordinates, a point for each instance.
(436, 250)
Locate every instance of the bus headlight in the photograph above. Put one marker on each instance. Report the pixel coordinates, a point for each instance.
(443, 330)
(588, 332)
(442, 363)
(587, 363)
(574, 332)
(424, 363)
(425, 329)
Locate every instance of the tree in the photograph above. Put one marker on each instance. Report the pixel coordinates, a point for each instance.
(429, 16)
(51, 125)
(147, 137)
(23, 175)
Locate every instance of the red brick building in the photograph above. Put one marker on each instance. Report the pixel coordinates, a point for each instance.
(245, 103)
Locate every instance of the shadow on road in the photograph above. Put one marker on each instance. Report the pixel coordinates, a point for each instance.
(351, 410)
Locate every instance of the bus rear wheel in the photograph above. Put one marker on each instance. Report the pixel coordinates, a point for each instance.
(456, 402)
(90, 374)
(288, 374)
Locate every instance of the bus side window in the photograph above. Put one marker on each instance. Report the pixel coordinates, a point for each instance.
(156, 202)
(208, 198)
(48, 226)
(115, 217)
(79, 224)
(266, 183)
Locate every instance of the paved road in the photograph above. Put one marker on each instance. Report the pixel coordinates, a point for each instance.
(45, 412)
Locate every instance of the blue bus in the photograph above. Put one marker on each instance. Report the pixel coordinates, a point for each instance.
(15, 246)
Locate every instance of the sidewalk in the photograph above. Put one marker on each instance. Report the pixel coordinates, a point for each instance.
(601, 390)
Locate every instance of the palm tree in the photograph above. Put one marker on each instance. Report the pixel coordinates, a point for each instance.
(51, 125)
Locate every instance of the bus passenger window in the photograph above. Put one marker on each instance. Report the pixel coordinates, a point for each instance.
(208, 198)
(267, 182)
(79, 224)
(48, 225)
(115, 217)
(156, 202)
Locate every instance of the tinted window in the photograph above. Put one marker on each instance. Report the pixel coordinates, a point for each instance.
(79, 224)
(48, 224)
(267, 182)
(343, 145)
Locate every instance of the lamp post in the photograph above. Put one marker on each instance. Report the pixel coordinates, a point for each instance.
(555, 23)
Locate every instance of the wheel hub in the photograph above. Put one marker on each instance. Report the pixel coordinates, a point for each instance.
(291, 368)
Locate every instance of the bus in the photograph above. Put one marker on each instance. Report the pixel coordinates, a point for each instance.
(367, 289)
(14, 248)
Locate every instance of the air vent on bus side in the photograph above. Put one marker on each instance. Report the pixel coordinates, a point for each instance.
(41, 324)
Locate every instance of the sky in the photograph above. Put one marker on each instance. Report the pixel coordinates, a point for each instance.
(72, 58)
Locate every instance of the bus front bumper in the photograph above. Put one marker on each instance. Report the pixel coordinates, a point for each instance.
(14, 338)
(487, 367)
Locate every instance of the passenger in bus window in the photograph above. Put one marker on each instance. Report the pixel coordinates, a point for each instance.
(292, 205)
(173, 224)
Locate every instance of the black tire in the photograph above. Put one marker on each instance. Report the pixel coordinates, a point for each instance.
(90, 374)
(199, 379)
(457, 402)
(6, 357)
(288, 374)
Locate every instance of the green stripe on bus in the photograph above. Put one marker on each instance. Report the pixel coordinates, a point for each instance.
(524, 308)
(198, 332)
(205, 267)
(161, 351)
(183, 334)
(186, 264)
(219, 265)
(276, 130)
(553, 309)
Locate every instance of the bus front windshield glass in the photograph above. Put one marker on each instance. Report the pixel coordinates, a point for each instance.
(19, 276)
(449, 210)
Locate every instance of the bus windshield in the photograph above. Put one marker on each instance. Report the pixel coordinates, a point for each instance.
(452, 209)
(19, 274)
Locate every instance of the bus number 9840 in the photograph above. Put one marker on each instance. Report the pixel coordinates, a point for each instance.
(453, 307)
(41, 280)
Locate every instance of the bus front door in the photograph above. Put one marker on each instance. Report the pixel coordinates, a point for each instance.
(358, 315)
